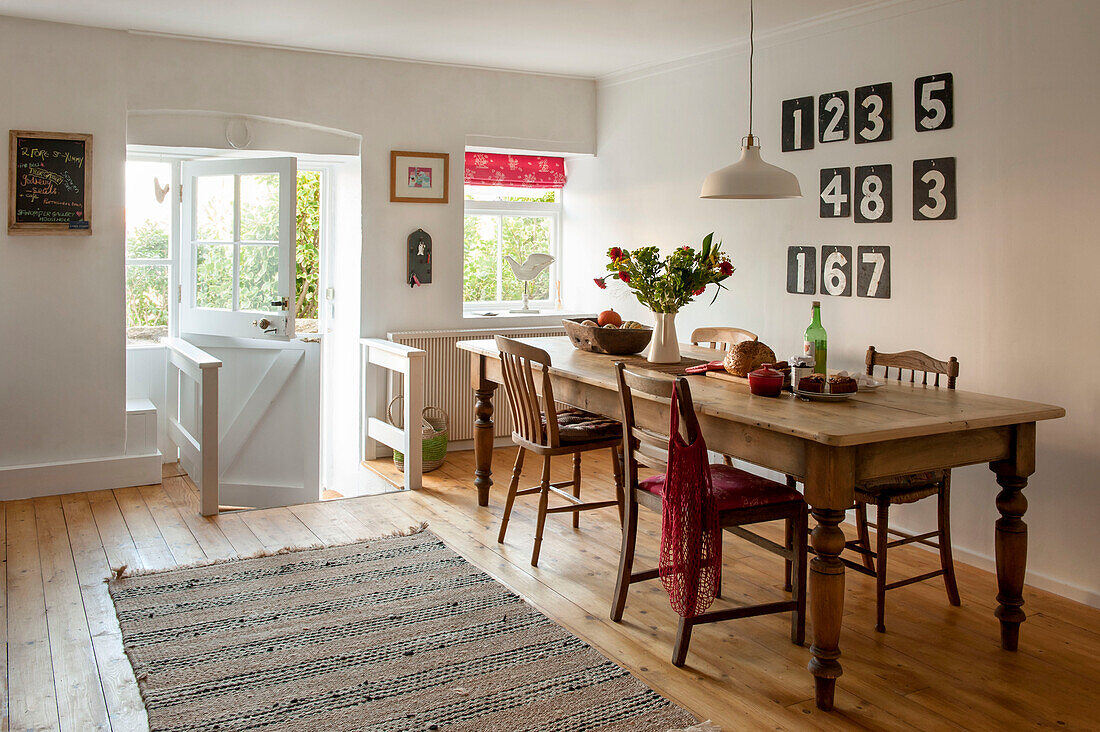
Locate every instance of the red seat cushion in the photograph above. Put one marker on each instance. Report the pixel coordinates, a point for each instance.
(734, 488)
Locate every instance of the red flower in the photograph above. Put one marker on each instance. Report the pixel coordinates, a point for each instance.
(615, 253)
(685, 248)
(699, 292)
(725, 268)
(624, 276)
(600, 283)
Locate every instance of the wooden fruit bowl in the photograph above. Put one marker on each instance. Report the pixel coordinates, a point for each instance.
(612, 341)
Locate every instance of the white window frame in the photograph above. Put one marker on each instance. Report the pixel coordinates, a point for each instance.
(553, 211)
(172, 260)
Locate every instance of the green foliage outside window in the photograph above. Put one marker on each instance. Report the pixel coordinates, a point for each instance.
(147, 285)
(519, 236)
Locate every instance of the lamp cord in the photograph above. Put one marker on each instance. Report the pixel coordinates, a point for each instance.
(751, 50)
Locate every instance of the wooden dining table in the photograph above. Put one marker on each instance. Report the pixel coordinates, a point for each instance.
(899, 428)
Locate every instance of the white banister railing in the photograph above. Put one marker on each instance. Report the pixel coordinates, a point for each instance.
(198, 452)
(409, 362)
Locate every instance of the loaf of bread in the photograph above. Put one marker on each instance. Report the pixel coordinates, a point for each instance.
(748, 356)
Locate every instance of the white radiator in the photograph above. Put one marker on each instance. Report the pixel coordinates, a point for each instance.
(447, 374)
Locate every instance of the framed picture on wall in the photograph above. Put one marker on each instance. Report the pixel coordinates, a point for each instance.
(418, 177)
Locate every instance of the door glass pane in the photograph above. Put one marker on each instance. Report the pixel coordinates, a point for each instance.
(214, 208)
(146, 303)
(148, 220)
(214, 276)
(523, 236)
(259, 276)
(260, 207)
(479, 265)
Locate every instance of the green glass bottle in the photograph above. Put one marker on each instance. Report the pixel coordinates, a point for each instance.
(815, 343)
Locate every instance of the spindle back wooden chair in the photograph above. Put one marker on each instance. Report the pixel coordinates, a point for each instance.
(540, 427)
(905, 489)
(742, 498)
(721, 338)
(913, 361)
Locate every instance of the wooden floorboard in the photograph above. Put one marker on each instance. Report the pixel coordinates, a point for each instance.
(937, 667)
(80, 701)
(31, 695)
(124, 706)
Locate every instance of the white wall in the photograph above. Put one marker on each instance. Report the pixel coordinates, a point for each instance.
(61, 338)
(1009, 287)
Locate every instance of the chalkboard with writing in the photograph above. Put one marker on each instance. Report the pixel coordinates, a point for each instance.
(50, 183)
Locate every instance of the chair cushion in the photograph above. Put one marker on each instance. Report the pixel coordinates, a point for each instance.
(901, 488)
(577, 426)
(734, 488)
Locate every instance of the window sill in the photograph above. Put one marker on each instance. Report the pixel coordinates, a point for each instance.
(548, 316)
(489, 313)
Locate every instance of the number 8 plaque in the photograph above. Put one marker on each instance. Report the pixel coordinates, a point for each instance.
(874, 192)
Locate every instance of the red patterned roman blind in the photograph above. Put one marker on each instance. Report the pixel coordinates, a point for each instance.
(516, 171)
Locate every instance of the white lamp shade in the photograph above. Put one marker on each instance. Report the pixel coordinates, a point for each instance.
(750, 177)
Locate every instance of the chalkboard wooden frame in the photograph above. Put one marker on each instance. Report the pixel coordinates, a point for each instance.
(25, 228)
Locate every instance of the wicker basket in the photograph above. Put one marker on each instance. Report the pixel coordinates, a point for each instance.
(433, 431)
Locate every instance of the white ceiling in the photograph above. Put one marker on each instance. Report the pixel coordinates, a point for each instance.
(589, 38)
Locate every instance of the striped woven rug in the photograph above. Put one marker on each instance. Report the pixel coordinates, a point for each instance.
(391, 634)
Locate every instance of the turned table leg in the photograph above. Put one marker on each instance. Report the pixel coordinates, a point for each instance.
(483, 440)
(1011, 539)
(826, 603)
(1011, 547)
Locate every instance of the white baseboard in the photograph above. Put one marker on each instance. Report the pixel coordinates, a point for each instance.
(76, 476)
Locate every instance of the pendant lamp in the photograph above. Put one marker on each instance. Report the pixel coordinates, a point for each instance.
(750, 177)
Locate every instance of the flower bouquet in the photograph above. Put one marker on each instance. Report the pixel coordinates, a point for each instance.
(666, 285)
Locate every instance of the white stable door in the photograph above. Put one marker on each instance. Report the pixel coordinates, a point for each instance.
(237, 304)
(238, 232)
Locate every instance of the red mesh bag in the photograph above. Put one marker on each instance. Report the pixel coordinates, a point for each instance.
(691, 537)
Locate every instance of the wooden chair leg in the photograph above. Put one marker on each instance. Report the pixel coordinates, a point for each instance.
(617, 469)
(626, 561)
(882, 535)
(800, 564)
(544, 498)
(946, 562)
(864, 537)
(512, 488)
(788, 543)
(577, 487)
(728, 461)
(683, 639)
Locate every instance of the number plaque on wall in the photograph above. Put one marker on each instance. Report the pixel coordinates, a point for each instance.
(874, 192)
(833, 118)
(836, 193)
(874, 113)
(836, 271)
(934, 101)
(802, 270)
(934, 189)
(873, 271)
(798, 124)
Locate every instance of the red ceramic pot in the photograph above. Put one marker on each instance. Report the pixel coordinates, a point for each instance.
(766, 381)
